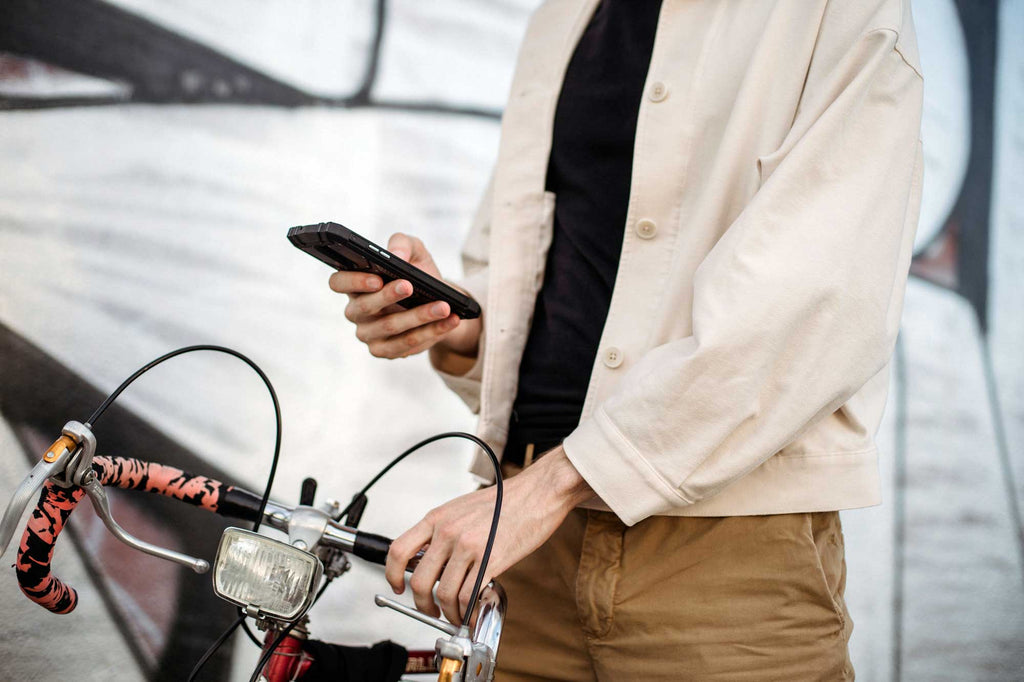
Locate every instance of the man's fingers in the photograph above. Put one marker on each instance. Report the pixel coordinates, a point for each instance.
(450, 587)
(411, 249)
(367, 306)
(354, 282)
(414, 341)
(426, 575)
(401, 322)
(405, 247)
(402, 550)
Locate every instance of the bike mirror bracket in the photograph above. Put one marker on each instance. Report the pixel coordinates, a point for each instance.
(264, 576)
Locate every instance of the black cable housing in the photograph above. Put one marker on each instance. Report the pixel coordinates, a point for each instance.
(499, 489)
(216, 349)
(216, 645)
(91, 423)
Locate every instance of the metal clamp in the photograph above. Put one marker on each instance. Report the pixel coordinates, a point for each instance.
(80, 464)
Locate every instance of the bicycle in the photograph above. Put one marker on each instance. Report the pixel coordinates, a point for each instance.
(274, 582)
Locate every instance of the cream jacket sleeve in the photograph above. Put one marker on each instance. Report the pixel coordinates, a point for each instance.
(475, 274)
(794, 309)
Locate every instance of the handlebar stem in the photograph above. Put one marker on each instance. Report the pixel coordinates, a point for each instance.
(306, 527)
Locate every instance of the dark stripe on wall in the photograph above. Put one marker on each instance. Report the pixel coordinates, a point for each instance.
(980, 22)
(101, 40)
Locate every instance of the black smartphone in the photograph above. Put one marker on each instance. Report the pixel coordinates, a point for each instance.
(343, 249)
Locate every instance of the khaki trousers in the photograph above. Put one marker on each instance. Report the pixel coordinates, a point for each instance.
(680, 598)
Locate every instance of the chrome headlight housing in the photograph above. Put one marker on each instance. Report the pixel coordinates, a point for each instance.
(266, 577)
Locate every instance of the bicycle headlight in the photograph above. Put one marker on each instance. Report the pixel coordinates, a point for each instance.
(265, 576)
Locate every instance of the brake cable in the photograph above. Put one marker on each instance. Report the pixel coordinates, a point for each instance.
(499, 488)
(91, 423)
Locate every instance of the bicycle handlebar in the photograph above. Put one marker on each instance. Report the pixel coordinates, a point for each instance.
(56, 503)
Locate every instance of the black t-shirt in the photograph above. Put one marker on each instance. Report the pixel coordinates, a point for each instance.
(589, 171)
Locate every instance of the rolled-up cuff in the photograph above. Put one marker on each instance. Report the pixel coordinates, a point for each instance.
(618, 473)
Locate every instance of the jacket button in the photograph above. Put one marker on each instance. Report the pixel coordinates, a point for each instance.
(646, 229)
(658, 91)
(612, 357)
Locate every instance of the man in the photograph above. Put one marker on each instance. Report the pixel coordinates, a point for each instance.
(682, 521)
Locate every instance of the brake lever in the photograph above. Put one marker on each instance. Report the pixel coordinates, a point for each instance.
(98, 497)
(468, 659)
(442, 625)
(68, 462)
(52, 464)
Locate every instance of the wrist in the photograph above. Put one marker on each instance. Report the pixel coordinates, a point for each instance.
(568, 486)
(457, 351)
(445, 359)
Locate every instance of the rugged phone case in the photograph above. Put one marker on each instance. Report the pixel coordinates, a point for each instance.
(343, 249)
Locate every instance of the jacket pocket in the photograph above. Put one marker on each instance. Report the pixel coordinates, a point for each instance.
(545, 230)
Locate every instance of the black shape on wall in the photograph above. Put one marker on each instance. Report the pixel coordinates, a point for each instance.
(972, 211)
(162, 67)
(362, 96)
(38, 396)
(98, 39)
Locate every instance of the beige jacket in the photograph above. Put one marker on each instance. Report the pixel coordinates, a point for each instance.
(744, 363)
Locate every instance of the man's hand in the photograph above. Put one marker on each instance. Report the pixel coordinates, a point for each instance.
(535, 503)
(391, 331)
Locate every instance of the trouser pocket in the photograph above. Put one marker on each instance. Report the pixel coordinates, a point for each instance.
(825, 532)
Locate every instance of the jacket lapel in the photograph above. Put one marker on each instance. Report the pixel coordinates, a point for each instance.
(521, 224)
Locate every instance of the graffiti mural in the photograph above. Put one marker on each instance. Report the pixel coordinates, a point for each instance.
(153, 155)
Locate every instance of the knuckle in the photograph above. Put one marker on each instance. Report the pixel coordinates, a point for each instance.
(420, 584)
(446, 594)
(439, 328)
(399, 551)
(445, 534)
(388, 326)
(376, 350)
